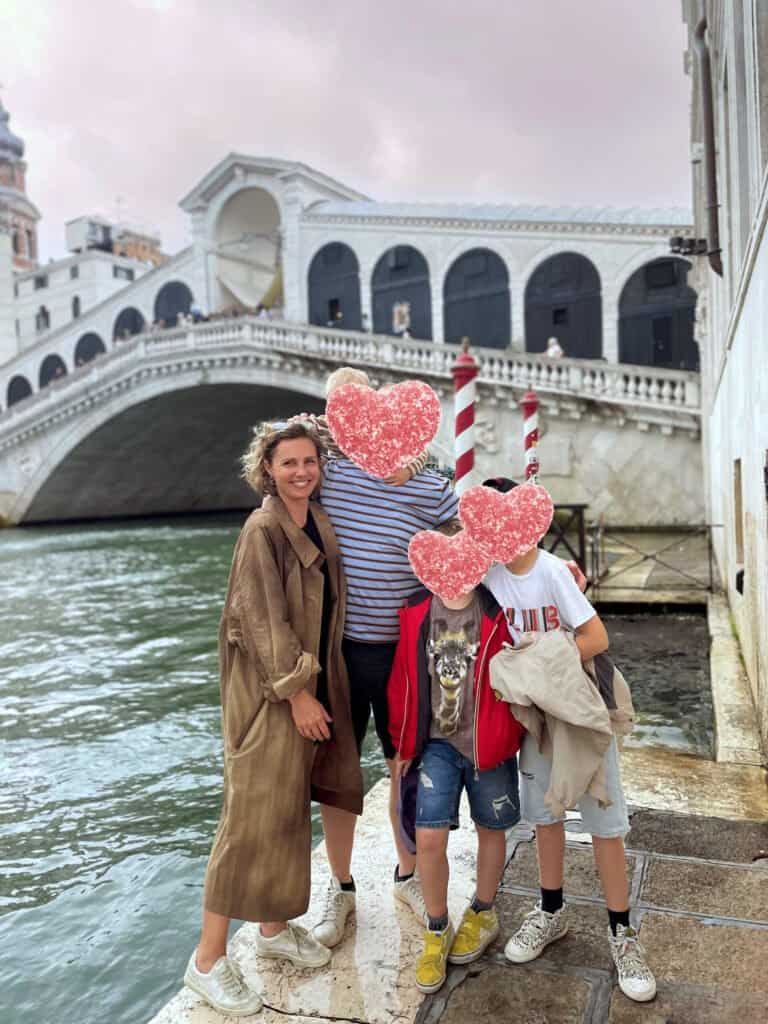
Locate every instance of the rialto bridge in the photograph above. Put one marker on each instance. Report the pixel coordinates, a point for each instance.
(156, 424)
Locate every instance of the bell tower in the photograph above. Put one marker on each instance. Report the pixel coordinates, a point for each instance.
(18, 216)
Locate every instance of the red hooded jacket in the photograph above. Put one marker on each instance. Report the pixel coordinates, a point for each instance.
(497, 733)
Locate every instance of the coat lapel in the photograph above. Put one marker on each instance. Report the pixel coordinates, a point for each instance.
(305, 550)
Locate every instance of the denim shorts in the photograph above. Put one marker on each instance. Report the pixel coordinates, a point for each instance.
(603, 822)
(494, 799)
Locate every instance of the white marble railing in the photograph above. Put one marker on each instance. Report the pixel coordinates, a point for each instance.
(578, 378)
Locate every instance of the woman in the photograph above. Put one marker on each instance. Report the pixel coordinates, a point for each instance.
(286, 721)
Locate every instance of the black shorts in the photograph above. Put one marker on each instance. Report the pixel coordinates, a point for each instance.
(368, 666)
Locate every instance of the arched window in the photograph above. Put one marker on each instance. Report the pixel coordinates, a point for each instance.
(563, 300)
(19, 388)
(476, 300)
(173, 298)
(75, 307)
(42, 319)
(656, 316)
(400, 295)
(87, 348)
(129, 322)
(16, 241)
(334, 288)
(52, 368)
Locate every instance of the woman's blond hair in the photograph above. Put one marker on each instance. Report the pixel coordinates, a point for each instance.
(346, 375)
(261, 450)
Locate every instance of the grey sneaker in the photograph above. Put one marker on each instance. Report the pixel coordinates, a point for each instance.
(223, 988)
(409, 892)
(293, 943)
(535, 933)
(339, 904)
(636, 979)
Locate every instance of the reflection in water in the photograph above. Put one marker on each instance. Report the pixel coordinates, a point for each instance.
(110, 754)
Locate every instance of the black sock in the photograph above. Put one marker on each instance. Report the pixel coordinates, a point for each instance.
(402, 878)
(348, 886)
(551, 900)
(618, 917)
(479, 905)
(438, 924)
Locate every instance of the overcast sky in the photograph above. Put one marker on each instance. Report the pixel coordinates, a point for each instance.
(125, 105)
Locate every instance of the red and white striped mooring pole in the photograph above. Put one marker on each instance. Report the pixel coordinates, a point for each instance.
(530, 406)
(464, 370)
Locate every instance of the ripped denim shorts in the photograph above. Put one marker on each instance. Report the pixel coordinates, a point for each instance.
(494, 799)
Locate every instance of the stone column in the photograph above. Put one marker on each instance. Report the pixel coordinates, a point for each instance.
(291, 256)
(8, 342)
(611, 325)
(436, 295)
(517, 300)
(366, 305)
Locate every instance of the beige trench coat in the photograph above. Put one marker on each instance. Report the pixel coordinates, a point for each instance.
(269, 638)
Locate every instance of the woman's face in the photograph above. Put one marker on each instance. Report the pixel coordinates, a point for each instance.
(295, 468)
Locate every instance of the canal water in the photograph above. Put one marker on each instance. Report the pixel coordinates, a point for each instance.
(110, 754)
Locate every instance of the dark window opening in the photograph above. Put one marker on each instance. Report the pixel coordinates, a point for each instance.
(74, 271)
(334, 311)
(42, 319)
(661, 274)
(661, 327)
(123, 273)
(332, 254)
(560, 316)
(75, 307)
(16, 243)
(41, 281)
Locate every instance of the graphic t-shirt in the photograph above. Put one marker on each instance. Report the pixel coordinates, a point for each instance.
(544, 598)
(454, 638)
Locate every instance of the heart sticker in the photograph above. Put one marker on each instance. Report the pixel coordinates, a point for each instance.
(381, 431)
(507, 525)
(448, 566)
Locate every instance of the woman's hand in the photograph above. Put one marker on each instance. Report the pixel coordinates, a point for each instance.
(310, 717)
(400, 768)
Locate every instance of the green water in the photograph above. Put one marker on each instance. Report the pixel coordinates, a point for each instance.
(110, 754)
(110, 758)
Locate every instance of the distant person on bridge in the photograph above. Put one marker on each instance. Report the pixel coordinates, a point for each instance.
(554, 349)
(286, 719)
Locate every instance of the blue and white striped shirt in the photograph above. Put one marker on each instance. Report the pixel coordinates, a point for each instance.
(374, 523)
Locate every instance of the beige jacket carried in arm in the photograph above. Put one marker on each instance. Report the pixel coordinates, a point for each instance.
(555, 697)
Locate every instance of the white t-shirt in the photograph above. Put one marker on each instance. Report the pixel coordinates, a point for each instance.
(542, 599)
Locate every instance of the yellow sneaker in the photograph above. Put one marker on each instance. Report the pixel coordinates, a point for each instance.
(476, 932)
(433, 962)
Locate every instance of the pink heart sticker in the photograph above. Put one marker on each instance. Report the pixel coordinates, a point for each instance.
(507, 525)
(383, 430)
(448, 566)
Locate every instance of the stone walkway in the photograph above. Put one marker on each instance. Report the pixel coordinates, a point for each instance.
(700, 896)
(670, 567)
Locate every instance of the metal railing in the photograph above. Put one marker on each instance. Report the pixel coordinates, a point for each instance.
(603, 576)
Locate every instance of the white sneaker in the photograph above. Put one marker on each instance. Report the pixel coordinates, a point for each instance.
(339, 904)
(535, 933)
(409, 892)
(636, 979)
(293, 943)
(223, 988)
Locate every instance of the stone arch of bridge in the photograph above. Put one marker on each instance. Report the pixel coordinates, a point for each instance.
(88, 347)
(179, 442)
(129, 321)
(52, 367)
(18, 389)
(563, 299)
(173, 298)
(476, 299)
(657, 309)
(401, 275)
(333, 287)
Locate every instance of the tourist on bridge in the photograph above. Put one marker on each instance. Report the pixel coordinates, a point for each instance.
(288, 735)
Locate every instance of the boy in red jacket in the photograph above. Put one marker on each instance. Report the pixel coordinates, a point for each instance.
(442, 711)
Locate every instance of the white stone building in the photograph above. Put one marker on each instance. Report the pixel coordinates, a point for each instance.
(728, 63)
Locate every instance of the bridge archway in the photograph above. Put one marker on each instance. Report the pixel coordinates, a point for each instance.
(563, 300)
(18, 389)
(334, 288)
(179, 450)
(51, 368)
(657, 311)
(173, 298)
(248, 243)
(476, 301)
(129, 321)
(401, 279)
(88, 348)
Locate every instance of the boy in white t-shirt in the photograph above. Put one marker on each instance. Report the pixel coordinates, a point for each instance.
(538, 594)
